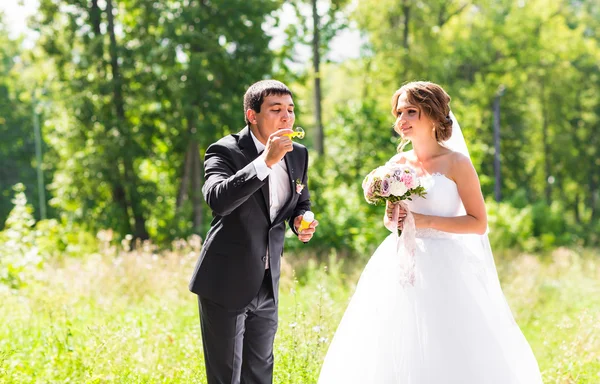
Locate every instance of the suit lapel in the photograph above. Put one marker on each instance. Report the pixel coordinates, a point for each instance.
(248, 148)
(289, 163)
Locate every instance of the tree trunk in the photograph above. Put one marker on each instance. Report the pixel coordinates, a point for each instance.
(366, 92)
(574, 123)
(594, 192)
(320, 137)
(120, 197)
(95, 17)
(406, 10)
(546, 144)
(497, 173)
(576, 209)
(444, 15)
(119, 193)
(129, 172)
(594, 178)
(182, 194)
(136, 203)
(196, 186)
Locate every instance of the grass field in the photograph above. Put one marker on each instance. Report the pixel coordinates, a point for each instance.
(127, 317)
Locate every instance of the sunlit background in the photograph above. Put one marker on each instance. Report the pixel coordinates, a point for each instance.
(107, 108)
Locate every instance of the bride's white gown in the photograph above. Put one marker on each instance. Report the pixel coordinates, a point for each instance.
(453, 327)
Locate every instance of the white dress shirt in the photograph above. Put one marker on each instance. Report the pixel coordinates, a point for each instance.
(279, 183)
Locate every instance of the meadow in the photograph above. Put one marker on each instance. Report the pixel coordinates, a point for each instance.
(126, 316)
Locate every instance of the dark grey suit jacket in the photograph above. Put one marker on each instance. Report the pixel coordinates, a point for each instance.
(231, 266)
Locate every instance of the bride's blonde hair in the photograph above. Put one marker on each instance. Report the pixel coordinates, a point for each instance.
(431, 99)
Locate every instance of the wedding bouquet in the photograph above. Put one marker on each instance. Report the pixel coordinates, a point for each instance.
(393, 183)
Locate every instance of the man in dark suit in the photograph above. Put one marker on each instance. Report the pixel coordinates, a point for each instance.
(255, 181)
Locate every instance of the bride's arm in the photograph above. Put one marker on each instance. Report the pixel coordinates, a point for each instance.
(475, 221)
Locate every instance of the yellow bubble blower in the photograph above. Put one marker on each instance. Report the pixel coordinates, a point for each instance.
(298, 133)
(307, 218)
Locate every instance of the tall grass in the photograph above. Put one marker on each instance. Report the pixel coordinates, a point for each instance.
(127, 317)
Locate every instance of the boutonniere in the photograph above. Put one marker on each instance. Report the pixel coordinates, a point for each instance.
(299, 186)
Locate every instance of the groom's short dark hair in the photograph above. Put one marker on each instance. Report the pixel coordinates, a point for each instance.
(257, 92)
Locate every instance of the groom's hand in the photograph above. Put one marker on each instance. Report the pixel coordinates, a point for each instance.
(306, 234)
(277, 146)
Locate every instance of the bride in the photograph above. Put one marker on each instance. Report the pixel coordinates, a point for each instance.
(452, 325)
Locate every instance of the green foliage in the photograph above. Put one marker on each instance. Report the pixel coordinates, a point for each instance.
(536, 227)
(142, 84)
(58, 240)
(19, 254)
(27, 245)
(548, 110)
(17, 147)
(510, 227)
(115, 145)
(131, 92)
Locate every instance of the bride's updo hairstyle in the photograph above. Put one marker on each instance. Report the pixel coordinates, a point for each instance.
(432, 100)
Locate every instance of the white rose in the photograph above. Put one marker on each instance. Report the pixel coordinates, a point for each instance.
(398, 188)
(381, 172)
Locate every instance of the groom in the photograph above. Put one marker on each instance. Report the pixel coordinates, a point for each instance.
(255, 181)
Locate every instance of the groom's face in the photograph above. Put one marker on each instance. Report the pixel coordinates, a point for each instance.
(276, 112)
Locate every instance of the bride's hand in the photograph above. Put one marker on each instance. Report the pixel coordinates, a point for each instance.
(389, 212)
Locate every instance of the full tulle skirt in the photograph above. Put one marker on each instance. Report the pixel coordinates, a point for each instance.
(452, 326)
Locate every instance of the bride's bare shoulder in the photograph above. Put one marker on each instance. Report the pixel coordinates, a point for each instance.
(460, 166)
(402, 157)
(459, 160)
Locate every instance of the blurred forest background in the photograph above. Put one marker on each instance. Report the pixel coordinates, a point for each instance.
(107, 108)
(122, 98)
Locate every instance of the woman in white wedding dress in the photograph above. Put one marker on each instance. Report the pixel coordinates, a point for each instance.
(452, 325)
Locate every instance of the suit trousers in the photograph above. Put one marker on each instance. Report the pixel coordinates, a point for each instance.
(238, 344)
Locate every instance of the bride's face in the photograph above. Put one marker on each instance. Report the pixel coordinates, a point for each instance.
(411, 122)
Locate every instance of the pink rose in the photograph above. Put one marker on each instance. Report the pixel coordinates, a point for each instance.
(408, 180)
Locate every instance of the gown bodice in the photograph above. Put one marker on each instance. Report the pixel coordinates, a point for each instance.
(441, 199)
